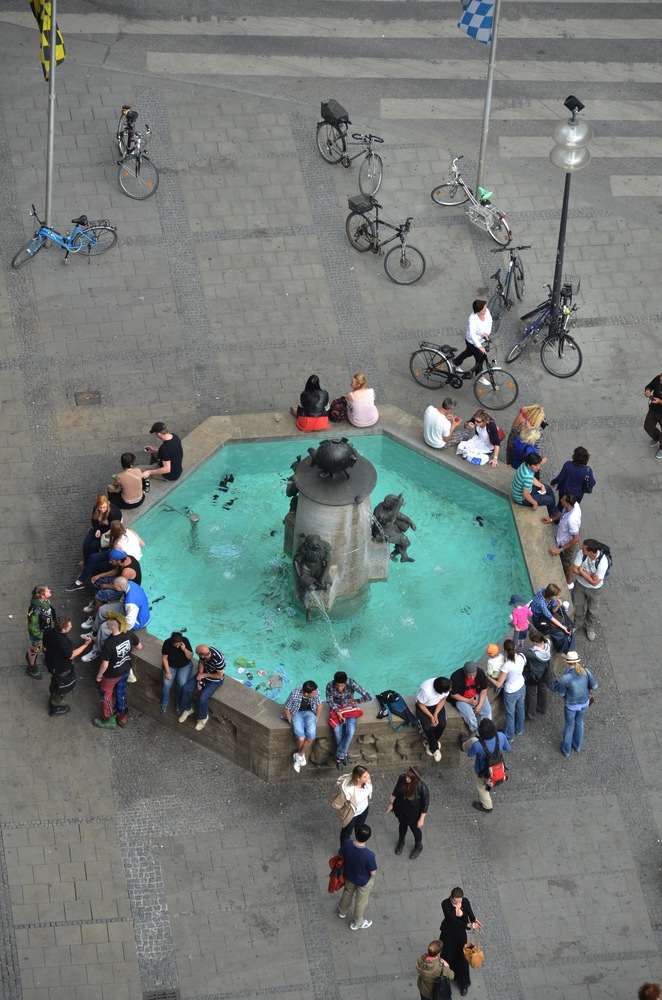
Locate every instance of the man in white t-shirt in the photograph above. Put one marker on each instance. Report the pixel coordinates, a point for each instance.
(431, 712)
(569, 522)
(589, 570)
(439, 424)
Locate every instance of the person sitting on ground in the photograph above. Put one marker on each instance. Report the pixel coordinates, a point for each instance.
(361, 409)
(439, 424)
(134, 606)
(575, 476)
(469, 694)
(105, 591)
(103, 513)
(485, 445)
(177, 662)
(527, 490)
(302, 710)
(528, 416)
(312, 411)
(169, 455)
(431, 713)
(525, 444)
(209, 679)
(127, 486)
(344, 693)
(550, 618)
(118, 536)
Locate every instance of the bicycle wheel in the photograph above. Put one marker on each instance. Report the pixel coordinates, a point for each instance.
(360, 231)
(498, 230)
(561, 356)
(26, 253)
(94, 240)
(518, 278)
(496, 308)
(500, 392)
(429, 368)
(138, 177)
(405, 265)
(330, 142)
(371, 174)
(449, 194)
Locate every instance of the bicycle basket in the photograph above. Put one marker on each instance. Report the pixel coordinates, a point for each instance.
(360, 204)
(334, 113)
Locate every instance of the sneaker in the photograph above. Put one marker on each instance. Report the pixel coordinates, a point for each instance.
(340, 763)
(462, 738)
(571, 586)
(59, 709)
(185, 714)
(87, 635)
(459, 370)
(131, 679)
(360, 927)
(34, 673)
(297, 762)
(77, 585)
(341, 915)
(163, 709)
(437, 755)
(89, 657)
(483, 380)
(480, 807)
(415, 853)
(429, 752)
(88, 623)
(200, 724)
(654, 443)
(591, 635)
(303, 760)
(110, 723)
(89, 608)
(659, 453)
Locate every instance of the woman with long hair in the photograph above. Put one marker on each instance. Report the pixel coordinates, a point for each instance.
(361, 409)
(524, 444)
(511, 679)
(118, 536)
(409, 802)
(575, 685)
(103, 513)
(485, 445)
(312, 412)
(357, 789)
(528, 416)
(458, 918)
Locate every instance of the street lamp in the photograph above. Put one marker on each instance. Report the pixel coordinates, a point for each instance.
(570, 154)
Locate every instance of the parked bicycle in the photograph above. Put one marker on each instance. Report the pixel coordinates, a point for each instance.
(500, 300)
(136, 174)
(404, 264)
(482, 213)
(333, 144)
(560, 354)
(88, 238)
(433, 365)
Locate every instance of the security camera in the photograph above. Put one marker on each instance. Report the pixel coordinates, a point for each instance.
(573, 104)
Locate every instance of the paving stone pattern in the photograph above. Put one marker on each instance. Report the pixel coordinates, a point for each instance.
(135, 861)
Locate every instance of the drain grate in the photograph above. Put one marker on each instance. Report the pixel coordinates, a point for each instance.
(161, 995)
(88, 397)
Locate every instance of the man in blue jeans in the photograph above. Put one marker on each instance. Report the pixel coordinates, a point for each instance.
(344, 692)
(209, 678)
(527, 490)
(360, 869)
(302, 710)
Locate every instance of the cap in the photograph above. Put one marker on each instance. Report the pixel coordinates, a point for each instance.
(157, 427)
(470, 667)
(492, 649)
(572, 657)
(516, 599)
(117, 554)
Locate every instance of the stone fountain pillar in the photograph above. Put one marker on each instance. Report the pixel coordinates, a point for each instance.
(339, 510)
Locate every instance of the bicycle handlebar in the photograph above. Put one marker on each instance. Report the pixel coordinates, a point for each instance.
(513, 249)
(366, 138)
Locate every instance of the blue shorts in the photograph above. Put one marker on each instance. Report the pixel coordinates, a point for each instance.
(304, 725)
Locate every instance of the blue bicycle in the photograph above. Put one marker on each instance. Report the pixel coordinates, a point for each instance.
(88, 238)
(560, 354)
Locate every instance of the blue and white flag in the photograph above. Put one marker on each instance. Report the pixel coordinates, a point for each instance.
(477, 20)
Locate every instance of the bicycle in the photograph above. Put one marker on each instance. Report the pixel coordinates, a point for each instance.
(332, 143)
(482, 213)
(499, 301)
(91, 238)
(433, 365)
(560, 354)
(136, 174)
(404, 264)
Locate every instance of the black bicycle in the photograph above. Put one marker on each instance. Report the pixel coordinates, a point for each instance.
(433, 365)
(560, 353)
(404, 264)
(332, 143)
(136, 174)
(500, 300)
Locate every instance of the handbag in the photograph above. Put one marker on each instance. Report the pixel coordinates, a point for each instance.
(344, 807)
(338, 715)
(64, 683)
(587, 483)
(337, 874)
(473, 952)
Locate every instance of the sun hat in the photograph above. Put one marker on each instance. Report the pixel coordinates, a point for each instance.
(572, 657)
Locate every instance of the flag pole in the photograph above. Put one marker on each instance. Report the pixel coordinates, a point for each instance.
(50, 141)
(488, 97)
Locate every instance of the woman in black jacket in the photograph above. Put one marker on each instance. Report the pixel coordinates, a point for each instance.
(409, 802)
(458, 917)
(312, 411)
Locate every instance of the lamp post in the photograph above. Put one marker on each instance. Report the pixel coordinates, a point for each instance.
(570, 154)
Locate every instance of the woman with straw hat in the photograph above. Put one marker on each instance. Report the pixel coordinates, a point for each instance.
(575, 685)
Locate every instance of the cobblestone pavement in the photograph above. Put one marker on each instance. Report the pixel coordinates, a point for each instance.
(131, 861)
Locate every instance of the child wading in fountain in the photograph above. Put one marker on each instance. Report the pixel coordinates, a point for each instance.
(520, 619)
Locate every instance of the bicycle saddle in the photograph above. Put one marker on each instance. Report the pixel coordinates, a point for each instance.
(80, 221)
(484, 195)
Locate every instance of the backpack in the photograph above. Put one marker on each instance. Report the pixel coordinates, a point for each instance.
(338, 410)
(534, 669)
(394, 704)
(495, 768)
(441, 989)
(604, 550)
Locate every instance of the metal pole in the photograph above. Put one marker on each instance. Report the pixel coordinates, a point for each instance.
(50, 141)
(558, 270)
(488, 96)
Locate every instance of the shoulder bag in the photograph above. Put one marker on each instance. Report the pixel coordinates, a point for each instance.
(473, 951)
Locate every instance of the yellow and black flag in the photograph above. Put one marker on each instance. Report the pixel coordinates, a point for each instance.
(42, 11)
